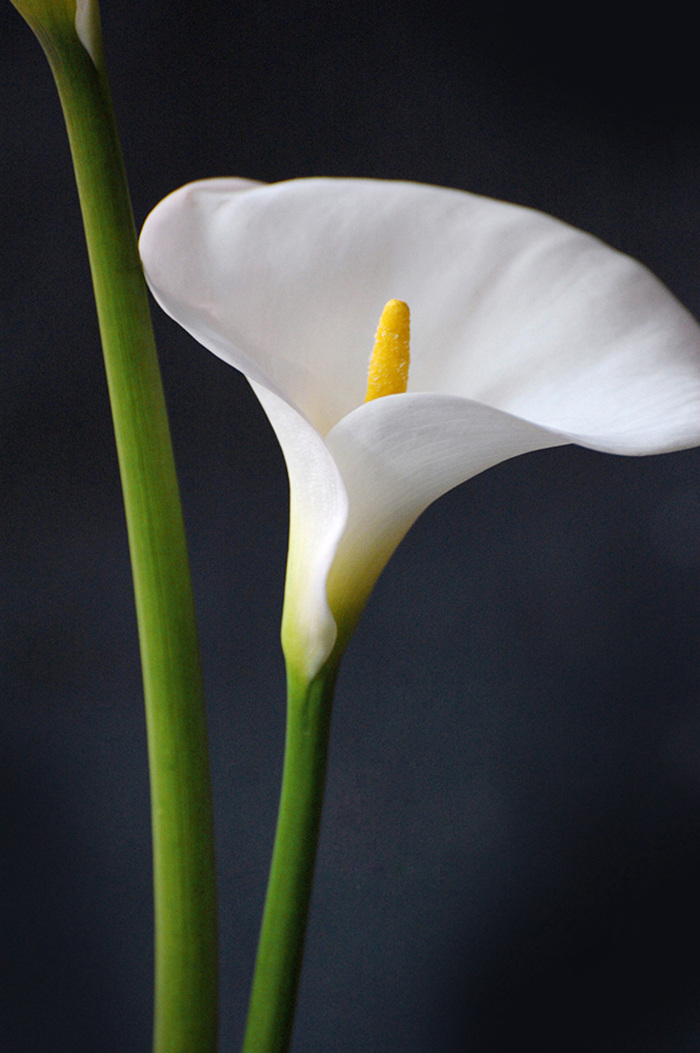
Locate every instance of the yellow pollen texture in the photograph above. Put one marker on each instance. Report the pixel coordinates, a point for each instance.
(388, 366)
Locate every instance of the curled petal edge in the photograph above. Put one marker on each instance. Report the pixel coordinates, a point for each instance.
(355, 494)
(318, 509)
(397, 456)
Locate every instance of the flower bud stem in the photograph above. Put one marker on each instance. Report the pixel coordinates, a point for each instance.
(183, 841)
(281, 946)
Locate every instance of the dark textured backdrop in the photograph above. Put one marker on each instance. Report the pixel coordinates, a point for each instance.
(510, 850)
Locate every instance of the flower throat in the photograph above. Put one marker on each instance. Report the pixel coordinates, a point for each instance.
(388, 366)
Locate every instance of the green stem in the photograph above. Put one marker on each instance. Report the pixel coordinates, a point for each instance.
(280, 951)
(183, 838)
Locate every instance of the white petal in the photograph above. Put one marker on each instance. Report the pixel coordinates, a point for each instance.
(509, 307)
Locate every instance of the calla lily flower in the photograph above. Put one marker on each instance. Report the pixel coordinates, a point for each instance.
(526, 334)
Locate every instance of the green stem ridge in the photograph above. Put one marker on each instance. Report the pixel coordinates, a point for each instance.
(186, 951)
(280, 950)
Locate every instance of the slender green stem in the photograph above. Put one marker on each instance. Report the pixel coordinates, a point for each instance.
(183, 839)
(281, 947)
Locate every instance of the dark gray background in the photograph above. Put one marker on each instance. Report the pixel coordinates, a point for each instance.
(510, 848)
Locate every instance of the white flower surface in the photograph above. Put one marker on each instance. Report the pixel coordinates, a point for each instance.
(525, 333)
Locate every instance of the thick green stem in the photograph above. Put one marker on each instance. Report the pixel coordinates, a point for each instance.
(183, 840)
(281, 947)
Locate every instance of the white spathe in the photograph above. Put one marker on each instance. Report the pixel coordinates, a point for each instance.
(525, 333)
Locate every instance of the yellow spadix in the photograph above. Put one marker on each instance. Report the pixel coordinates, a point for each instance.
(388, 366)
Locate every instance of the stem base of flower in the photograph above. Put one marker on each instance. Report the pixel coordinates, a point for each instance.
(281, 946)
